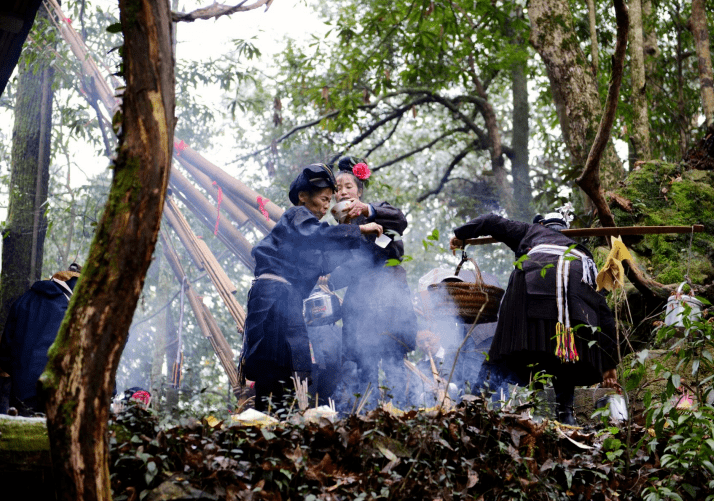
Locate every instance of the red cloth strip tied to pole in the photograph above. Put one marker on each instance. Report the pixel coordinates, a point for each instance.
(180, 146)
(218, 207)
(261, 207)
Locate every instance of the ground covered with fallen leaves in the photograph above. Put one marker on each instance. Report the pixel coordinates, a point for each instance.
(468, 453)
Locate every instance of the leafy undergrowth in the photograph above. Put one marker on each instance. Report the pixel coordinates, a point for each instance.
(470, 453)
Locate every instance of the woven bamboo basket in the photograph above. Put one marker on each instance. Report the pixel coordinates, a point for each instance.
(471, 302)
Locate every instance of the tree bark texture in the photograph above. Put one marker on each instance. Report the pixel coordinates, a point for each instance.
(698, 27)
(520, 171)
(640, 133)
(592, 22)
(590, 179)
(79, 378)
(26, 225)
(572, 83)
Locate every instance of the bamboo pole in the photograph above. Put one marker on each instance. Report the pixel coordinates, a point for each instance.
(220, 280)
(173, 221)
(607, 232)
(240, 217)
(206, 323)
(199, 205)
(223, 350)
(228, 182)
(239, 210)
(239, 249)
(112, 103)
(79, 49)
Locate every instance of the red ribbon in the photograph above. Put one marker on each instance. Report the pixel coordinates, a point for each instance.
(180, 146)
(261, 207)
(68, 20)
(218, 206)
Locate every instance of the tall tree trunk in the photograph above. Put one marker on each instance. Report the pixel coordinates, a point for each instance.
(520, 171)
(26, 225)
(683, 120)
(698, 27)
(572, 84)
(640, 133)
(592, 22)
(79, 377)
(650, 36)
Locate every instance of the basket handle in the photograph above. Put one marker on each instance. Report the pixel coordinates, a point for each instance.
(465, 258)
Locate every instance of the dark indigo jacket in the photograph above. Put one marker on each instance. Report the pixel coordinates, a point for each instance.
(296, 248)
(31, 327)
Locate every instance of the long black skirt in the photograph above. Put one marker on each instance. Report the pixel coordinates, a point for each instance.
(527, 345)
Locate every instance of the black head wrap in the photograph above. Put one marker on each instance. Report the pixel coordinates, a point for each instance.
(312, 178)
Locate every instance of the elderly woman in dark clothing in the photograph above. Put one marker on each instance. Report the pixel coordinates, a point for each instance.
(378, 319)
(289, 261)
(550, 310)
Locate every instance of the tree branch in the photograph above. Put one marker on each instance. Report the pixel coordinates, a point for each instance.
(288, 134)
(218, 10)
(444, 179)
(397, 113)
(385, 138)
(420, 148)
(589, 181)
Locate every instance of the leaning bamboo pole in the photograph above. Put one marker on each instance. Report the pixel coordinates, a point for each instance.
(228, 205)
(228, 183)
(237, 189)
(220, 280)
(236, 207)
(206, 323)
(184, 237)
(199, 205)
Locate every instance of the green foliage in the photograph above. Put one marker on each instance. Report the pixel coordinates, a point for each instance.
(684, 424)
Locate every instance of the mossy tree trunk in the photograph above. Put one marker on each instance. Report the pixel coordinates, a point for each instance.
(79, 377)
(698, 27)
(594, 50)
(640, 133)
(574, 88)
(26, 226)
(522, 192)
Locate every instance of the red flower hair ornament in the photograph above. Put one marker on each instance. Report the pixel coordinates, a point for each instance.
(361, 171)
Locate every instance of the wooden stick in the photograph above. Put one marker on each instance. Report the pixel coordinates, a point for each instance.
(612, 231)
(204, 319)
(199, 205)
(111, 103)
(237, 206)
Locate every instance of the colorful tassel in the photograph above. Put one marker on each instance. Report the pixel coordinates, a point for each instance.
(565, 344)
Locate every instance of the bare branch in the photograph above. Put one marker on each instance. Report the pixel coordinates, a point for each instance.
(397, 113)
(385, 138)
(218, 10)
(420, 148)
(445, 178)
(289, 133)
(589, 180)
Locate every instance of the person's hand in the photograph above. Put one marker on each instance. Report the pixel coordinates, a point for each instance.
(455, 244)
(609, 379)
(323, 280)
(371, 229)
(357, 209)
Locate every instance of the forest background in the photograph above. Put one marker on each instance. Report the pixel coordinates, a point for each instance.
(457, 107)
